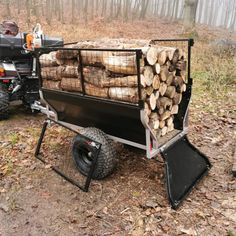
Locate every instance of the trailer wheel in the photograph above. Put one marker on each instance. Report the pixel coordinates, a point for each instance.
(107, 158)
(4, 103)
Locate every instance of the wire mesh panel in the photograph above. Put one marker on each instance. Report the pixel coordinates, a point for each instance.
(154, 76)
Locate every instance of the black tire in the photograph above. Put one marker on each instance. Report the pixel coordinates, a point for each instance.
(107, 158)
(4, 103)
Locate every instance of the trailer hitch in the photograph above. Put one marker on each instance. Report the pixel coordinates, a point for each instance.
(185, 166)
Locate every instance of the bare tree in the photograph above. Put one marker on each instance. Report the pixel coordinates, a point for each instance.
(190, 9)
(8, 11)
(143, 10)
(48, 11)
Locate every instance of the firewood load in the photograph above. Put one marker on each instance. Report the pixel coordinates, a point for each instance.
(113, 75)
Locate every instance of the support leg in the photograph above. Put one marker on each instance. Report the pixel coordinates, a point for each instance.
(37, 151)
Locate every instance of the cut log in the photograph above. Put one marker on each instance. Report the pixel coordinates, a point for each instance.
(160, 110)
(175, 57)
(149, 90)
(174, 109)
(170, 128)
(48, 60)
(124, 94)
(165, 115)
(152, 101)
(177, 98)
(95, 76)
(142, 81)
(154, 124)
(147, 109)
(157, 94)
(96, 91)
(170, 53)
(170, 92)
(71, 84)
(154, 116)
(169, 121)
(68, 62)
(66, 54)
(162, 89)
(52, 73)
(148, 75)
(156, 82)
(152, 55)
(181, 65)
(121, 64)
(127, 81)
(143, 94)
(161, 124)
(169, 79)
(178, 83)
(162, 57)
(94, 58)
(70, 72)
(164, 131)
(49, 84)
(100, 78)
(164, 102)
(164, 73)
(157, 68)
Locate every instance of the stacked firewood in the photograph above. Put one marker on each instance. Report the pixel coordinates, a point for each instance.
(113, 75)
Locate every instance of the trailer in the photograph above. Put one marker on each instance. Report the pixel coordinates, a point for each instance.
(105, 119)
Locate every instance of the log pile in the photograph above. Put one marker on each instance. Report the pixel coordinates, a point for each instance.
(113, 75)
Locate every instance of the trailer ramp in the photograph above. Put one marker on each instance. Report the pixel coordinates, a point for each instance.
(185, 166)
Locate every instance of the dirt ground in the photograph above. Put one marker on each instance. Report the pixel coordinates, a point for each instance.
(132, 201)
(36, 201)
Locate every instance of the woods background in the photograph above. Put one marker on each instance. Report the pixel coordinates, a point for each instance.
(220, 13)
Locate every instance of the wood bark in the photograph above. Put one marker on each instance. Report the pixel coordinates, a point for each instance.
(170, 92)
(67, 54)
(71, 84)
(53, 73)
(49, 84)
(121, 64)
(96, 91)
(148, 75)
(48, 60)
(124, 94)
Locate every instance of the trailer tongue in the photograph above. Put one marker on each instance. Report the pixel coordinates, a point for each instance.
(121, 121)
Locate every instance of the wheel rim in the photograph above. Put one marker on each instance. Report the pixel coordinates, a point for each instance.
(84, 155)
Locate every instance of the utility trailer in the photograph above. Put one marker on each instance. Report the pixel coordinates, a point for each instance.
(105, 119)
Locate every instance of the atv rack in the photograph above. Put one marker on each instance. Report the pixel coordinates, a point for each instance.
(124, 122)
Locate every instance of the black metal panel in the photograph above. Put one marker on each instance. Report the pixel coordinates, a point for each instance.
(185, 166)
(117, 119)
(183, 106)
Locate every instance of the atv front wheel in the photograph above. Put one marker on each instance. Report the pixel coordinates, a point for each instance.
(83, 157)
(4, 103)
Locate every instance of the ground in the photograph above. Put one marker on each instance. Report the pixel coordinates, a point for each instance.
(132, 201)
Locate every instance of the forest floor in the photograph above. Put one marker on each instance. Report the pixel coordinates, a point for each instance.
(132, 201)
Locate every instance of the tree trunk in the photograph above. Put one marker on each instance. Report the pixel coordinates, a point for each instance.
(190, 8)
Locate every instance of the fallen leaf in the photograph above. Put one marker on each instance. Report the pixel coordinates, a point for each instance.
(189, 231)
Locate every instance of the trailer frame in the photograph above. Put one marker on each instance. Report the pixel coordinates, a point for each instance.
(61, 104)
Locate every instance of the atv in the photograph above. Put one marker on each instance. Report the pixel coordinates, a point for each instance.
(18, 69)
